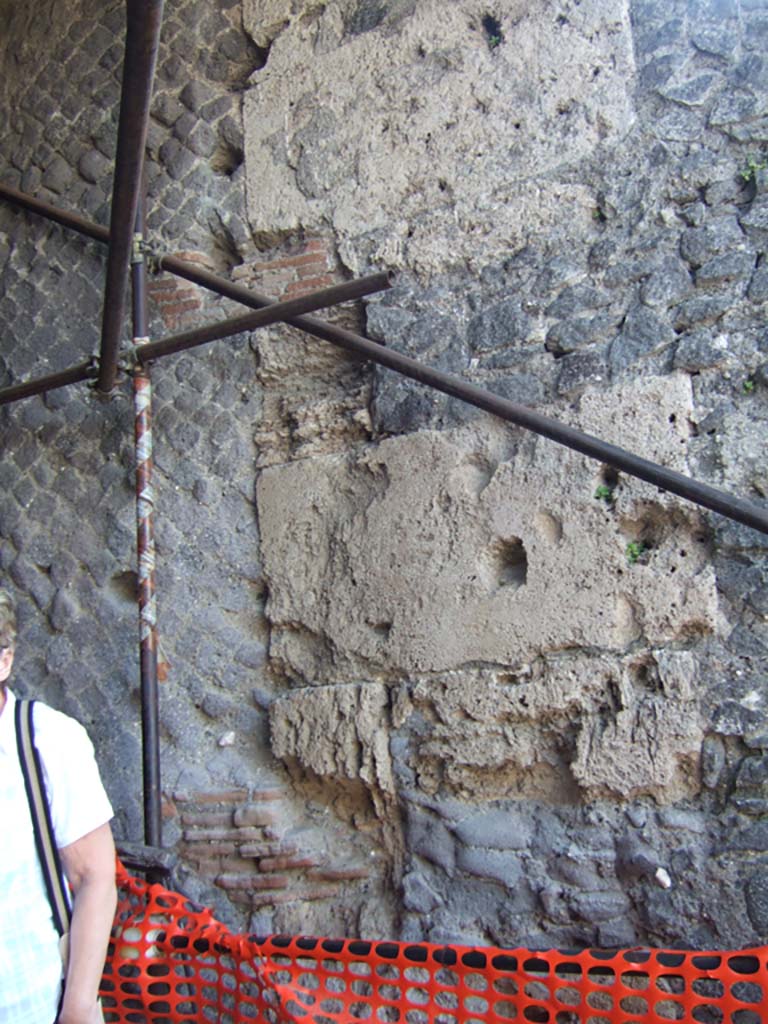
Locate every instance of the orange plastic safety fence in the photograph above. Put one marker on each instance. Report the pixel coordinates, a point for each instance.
(171, 962)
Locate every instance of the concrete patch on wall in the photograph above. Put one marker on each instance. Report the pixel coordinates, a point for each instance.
(517, 617)
(470, 123)
(437, 551)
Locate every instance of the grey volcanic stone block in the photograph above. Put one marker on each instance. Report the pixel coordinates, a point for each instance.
(721, 234)
(669, 284)
(57, 175)
(576, 299)
(418, 895)
(754, 838)
(94, 166)
(429, 838)
(701, 311)
(758, 286)
(731, 266)
(495, 829)
(581, 369)
(570, 335)
(699, 350)
(176, 158)
(499, 865)
(756, 894)
(504, 324)
(643, 333)
(755, 221)
(600, 906)
(712, 761)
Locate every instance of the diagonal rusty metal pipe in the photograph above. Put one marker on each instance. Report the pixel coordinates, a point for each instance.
(143, 20)
(64, 217)
(272, 312)
(725, 504)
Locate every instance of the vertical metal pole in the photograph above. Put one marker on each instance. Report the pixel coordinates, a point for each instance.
(145, 544)
(142, 39)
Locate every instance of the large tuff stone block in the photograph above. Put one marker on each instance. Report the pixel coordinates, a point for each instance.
(446, 106)
(432, 552)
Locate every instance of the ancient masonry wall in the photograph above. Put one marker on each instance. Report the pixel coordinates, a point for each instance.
(427, 676)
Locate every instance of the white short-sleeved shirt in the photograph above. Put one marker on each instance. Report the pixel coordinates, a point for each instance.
(30, 965)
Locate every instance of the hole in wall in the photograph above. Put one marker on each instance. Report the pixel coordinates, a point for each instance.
(226, 159)
(125, 586)
(492, 29)
(511, 563)
(382, 630)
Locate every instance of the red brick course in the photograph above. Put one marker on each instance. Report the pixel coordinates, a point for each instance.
(285, 273)
(232, 839)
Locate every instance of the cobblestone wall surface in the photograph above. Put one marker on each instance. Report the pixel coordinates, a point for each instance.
(68, 522)
(311, 786)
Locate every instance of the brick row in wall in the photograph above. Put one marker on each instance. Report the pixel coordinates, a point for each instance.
(234, 839)
(282, 274)
(292, 270)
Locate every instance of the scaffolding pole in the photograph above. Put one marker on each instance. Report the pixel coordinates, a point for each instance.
(145, 553)
(142, 38)
(701, 494)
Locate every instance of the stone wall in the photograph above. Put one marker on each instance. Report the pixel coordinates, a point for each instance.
(429, 676)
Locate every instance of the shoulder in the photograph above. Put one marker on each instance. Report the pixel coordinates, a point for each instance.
(54, 729)
(76, 795)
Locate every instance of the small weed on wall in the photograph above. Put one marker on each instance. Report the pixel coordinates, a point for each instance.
(493, 33)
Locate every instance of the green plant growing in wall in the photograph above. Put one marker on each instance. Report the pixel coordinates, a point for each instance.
(749, 385)
(604, 493)
(752, 166)
(493, 33)
(635, 551)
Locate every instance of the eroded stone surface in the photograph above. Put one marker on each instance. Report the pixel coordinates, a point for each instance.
(435, 552)
(425, 175)
(445, 559)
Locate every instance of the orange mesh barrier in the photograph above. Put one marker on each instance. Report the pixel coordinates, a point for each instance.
(172, 962)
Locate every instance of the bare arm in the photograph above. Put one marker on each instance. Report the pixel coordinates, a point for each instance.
(89, 864)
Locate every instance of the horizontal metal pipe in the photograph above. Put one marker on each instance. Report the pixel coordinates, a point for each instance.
(667, 479)
(142, 40)
(85, 371)
(274, 312)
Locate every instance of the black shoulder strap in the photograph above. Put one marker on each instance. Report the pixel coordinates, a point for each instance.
(47, 850)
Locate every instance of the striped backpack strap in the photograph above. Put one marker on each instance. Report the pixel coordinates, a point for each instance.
(47, 850)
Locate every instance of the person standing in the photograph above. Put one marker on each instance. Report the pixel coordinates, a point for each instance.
(30, 961)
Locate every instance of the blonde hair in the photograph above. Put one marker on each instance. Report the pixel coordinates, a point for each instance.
(7, 620)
